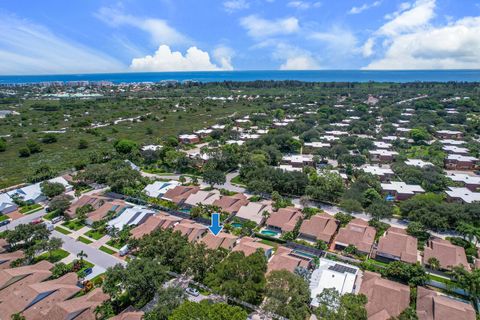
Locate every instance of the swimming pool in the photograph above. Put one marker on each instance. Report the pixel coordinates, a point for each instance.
(269, 233)
(304, 254)
(236, 225)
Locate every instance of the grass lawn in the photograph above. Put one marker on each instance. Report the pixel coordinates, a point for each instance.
(107, 250)
(439, 279)
(62, 230)
(50, 215)
(269, 243)
(84, 240)
(3, 217)
(73, 225)
(86, 265)
(114, 244)
(94, 234)
(56, 256)
(379, 263)
(238, 181)
(30, 208)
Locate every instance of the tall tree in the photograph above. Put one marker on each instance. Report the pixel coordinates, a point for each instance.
(206, 310)
(288, 295)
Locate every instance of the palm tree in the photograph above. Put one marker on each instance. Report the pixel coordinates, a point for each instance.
(82, 255)
(434, 263)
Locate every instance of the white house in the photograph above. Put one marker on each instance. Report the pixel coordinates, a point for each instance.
(130, 217)
(332, 274)
(6, 204)
(158, 188)
(30, 193)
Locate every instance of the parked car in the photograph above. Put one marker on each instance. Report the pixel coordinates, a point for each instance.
(36, 221)
(192, 291)
(87, 271)
(5, 222)
(48, 225)
(123, 250)
(57, 219)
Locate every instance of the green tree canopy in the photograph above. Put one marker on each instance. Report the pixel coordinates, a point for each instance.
(288, 295)
(240, 277)
(206, 310)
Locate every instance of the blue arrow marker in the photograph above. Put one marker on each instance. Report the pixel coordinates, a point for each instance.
(215, 226)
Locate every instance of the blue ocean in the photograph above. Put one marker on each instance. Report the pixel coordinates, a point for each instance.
(220, 76)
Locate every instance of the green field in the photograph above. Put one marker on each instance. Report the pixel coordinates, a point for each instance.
(64, 153)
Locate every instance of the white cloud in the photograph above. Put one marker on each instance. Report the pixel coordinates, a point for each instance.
(223, 55)
(411, 41)
(455, 46)
(235, 5)
(28, 48)
(259, 28)
(160, 31)
(365, 6)
(417, 16)
(294, 58)
(367, 48)
(339, 41)
(304, 5)
(166, 60)
(300, 63)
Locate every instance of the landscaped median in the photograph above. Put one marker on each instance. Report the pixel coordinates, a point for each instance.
(84, 240)
(62, 230)
(107, 250)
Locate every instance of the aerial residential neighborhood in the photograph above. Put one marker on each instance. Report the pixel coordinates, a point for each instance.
(240, 160)
(391, 218)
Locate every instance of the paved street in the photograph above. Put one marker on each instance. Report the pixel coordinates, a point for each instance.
(24, 220)
(95, 256)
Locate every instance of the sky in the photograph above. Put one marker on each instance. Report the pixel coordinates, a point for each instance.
(102, 36)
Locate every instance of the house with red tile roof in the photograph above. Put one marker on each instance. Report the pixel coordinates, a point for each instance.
(284, 220)
(101, 207)
(432, 305)
(386, 299)
(15, 278)
(129, 314)
(180, 193)
(222, 240)
(202, 197)
(7, 258)
(36, 299)
(231, 204)
(192, 230)
(249, 245)
(286, 259)
(357, 233)
(319, 227)
(448, 254)
(397, 245)
(158, 220)
(254, 211)
(81, 308)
